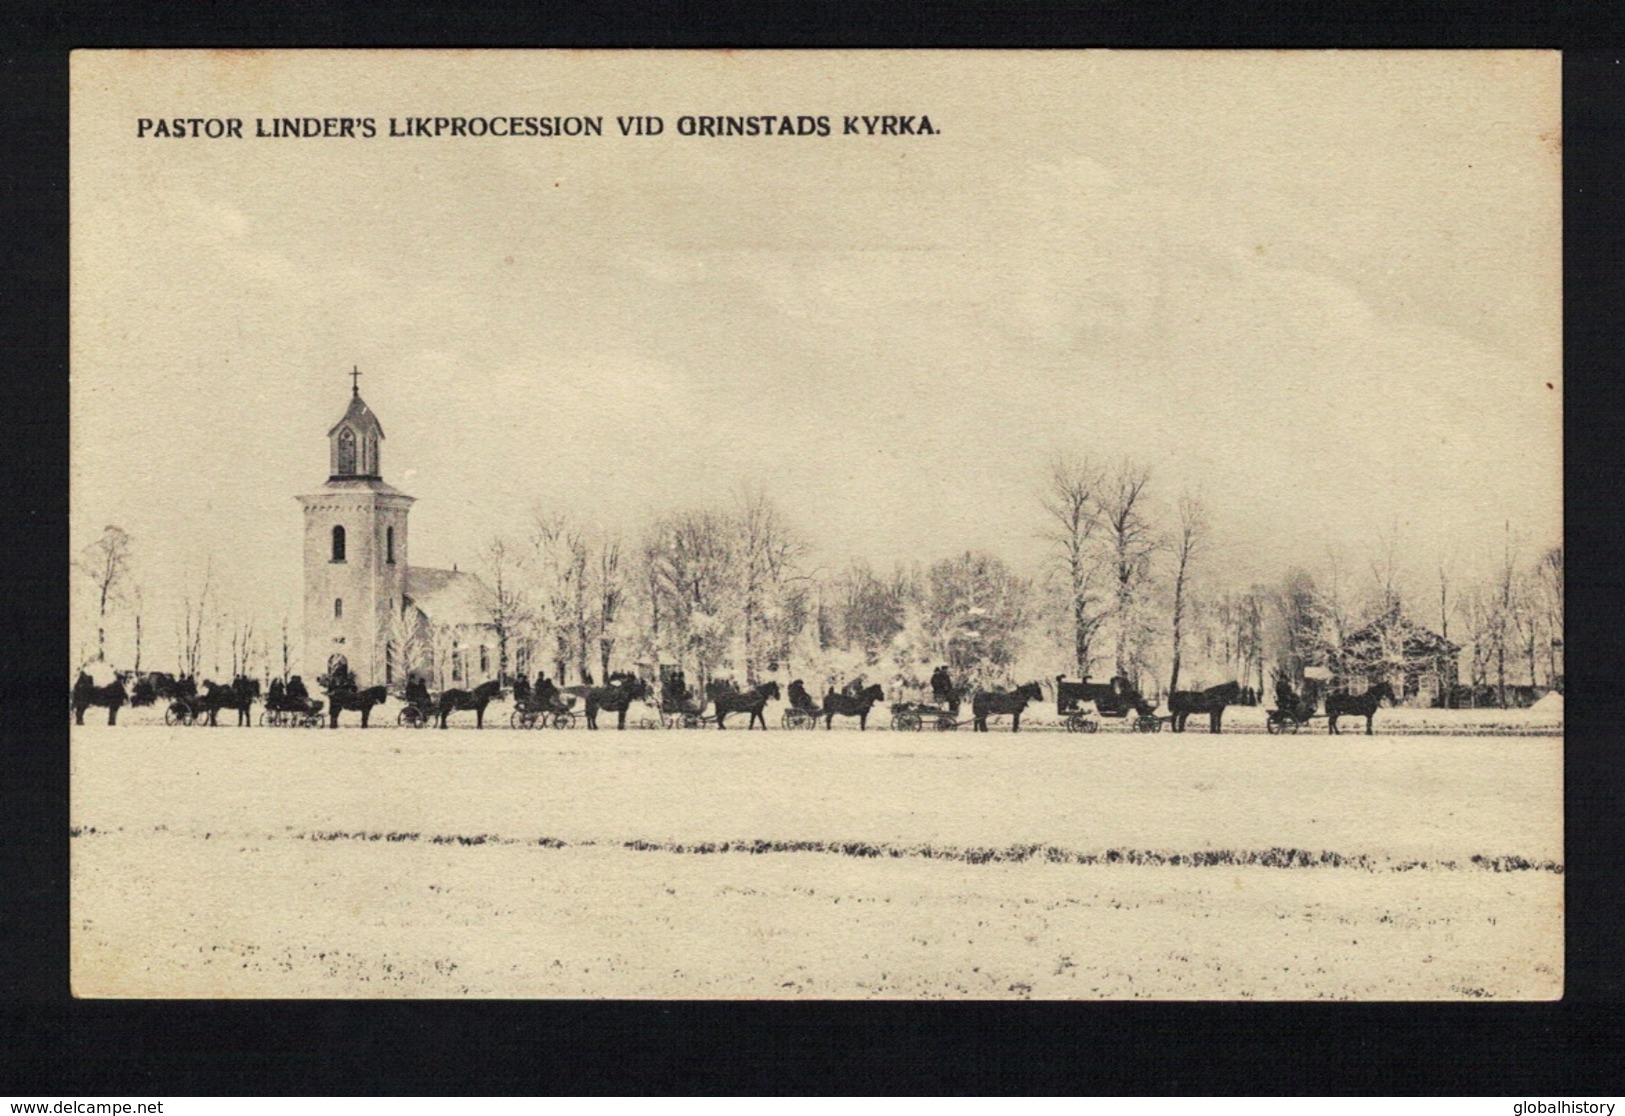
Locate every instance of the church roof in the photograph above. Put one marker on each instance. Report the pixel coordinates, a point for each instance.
(360, 416)
(448, 596)
(365, 484)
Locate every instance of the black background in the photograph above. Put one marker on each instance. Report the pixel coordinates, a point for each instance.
(52, 1046)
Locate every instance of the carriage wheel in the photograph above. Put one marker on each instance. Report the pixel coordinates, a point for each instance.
(411, 717)
(522, 719)
(788, 720)
(1290, 726)
(178, 713)
(564, 720)
(1274, 726)
(692, 720)
(1147, 724)
(1086, 724)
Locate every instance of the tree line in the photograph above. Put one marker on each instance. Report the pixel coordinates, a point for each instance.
(1132, 582)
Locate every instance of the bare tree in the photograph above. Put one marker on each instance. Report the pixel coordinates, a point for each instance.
(1069, 500)
(107, 563)
(1191, 538)
(138, 603)
(408, 646)
(976, 609)
(1385, 574)
(559, 568)
(287, 649)
(611, 590)
(1505, 597)
(505, 605)
(1549, 579)
(768, 551)
(693, 558)
(195, 618)
(1131, 543)
(242, 641)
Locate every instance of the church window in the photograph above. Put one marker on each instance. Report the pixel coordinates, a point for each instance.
(485, 659)
(389, 545)
(369, 460)
(338, 544)
(338, 608)
(346, 452)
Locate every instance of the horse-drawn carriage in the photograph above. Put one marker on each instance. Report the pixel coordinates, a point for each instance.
(188, 707)
(1115, 699)
(1292, 713)
(803, 711)
(912, 716)
(941, 712)
(554, 710)
(421, 707)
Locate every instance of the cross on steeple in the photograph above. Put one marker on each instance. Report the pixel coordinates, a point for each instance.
(355, 380)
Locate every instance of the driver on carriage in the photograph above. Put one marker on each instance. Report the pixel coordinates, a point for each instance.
(1285, 699)
(298, 698)
(521, 690)
(675, 696)
(339, 679)
(417, 692)
(942, 689)
(277, 696)
(801, 699)
(544, 695)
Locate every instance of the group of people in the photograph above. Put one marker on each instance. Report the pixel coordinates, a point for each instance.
(543, 694)
(294, 695)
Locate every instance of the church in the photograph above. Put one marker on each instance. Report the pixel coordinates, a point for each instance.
(366, 605)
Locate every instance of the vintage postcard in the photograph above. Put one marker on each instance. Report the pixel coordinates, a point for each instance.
(970, 525)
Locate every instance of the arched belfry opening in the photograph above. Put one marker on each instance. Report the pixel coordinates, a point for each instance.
(355, 441)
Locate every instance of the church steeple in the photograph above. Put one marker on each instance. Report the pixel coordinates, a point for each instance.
(354, 441)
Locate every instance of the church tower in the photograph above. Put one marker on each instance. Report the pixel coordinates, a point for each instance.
(355, 553)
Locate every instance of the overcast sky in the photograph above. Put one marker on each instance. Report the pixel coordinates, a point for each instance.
(1322, 288)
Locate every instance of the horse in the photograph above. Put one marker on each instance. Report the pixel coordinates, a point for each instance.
(1361, 705)
(616, 699)
(851, 705)
(86, 693)
(984, 705)
(1182, 703)
(359, 701)
(753, 702)
(476, 699)
(240, 695)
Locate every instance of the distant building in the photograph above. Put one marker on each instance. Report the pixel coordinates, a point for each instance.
(1420, 665)
(365, 605)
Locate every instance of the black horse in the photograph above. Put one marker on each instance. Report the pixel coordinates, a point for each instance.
(985, 705)
(240, 695)
(727, 701)
(1361, 705)
(616, 698)
(356, 701)
(854, 705)
(476, 699)
(86, 693)
(1182, 703)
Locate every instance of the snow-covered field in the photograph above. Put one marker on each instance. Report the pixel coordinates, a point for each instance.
(392, 862)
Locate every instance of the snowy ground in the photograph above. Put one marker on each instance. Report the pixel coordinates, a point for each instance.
(392, 862)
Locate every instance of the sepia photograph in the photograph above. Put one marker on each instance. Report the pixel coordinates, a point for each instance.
(830, 525)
